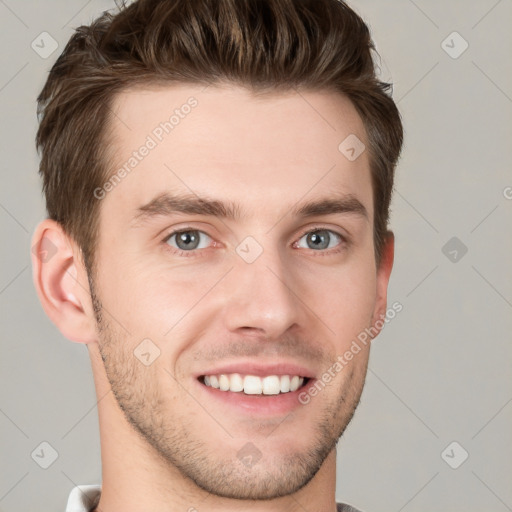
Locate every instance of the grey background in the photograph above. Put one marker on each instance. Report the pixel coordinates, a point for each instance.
(440, 371)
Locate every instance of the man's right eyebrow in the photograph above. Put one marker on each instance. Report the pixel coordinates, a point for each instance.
(167, 204)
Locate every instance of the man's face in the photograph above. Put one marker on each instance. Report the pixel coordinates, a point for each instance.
(268, 286)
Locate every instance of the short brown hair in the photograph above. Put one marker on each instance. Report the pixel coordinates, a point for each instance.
(258, 44)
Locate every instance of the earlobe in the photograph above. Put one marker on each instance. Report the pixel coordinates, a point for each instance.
(383, 275)
(58, 276)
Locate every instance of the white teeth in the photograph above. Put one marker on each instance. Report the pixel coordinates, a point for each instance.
(285, 384)
(236, 382)
(294, 383)
(271, 385)
(223, 382)
(254, 385)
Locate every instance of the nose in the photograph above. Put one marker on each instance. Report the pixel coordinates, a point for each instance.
(260, 297)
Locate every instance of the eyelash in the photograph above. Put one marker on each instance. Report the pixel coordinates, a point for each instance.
(199, 252)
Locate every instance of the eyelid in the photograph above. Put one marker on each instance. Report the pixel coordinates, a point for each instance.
(311, 229)
(168, 232)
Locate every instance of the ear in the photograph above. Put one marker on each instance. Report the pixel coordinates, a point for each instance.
(383, 274)
(61, 282)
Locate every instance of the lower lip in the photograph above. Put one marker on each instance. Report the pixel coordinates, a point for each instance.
(258, 404)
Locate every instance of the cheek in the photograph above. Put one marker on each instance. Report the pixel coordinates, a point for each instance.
(345, 299)
(154, 299)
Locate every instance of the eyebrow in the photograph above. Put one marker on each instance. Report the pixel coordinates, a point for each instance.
(167, 204)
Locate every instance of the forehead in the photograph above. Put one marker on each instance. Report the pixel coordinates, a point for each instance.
(227, 143)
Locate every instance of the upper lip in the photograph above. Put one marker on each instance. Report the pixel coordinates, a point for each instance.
(260, 369)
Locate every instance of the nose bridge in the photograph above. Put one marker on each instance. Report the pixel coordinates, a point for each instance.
(260, 293)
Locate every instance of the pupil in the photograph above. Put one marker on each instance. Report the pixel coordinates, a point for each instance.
(185, 240)
(320, 241)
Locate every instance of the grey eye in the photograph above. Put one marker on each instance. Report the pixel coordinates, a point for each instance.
(320, 239)
(188, 240)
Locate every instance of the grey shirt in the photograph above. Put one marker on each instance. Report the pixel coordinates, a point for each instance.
(342, 507)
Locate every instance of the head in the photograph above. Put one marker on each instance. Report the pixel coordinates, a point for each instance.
(244, 109)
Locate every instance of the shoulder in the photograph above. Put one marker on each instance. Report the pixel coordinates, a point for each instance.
(83, 498)
(343, 507)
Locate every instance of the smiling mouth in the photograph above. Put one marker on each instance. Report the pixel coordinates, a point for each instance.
(255, 385)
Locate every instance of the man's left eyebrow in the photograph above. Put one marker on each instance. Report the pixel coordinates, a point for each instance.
(345, 204)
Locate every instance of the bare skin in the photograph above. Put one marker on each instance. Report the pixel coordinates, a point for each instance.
(166, 444)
